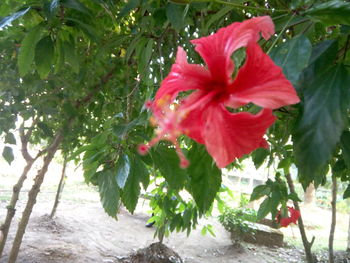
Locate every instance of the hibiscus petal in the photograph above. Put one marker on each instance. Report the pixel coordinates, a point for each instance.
(261, 82)
(294, 214)
(292, 218)
(183, 76)
(193, 124)
(216, 49)
(284, 222)
(231, 135)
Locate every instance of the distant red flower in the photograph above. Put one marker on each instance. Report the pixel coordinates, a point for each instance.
(293, 216)
(203, 115)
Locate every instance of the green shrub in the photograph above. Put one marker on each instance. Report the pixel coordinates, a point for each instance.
(237, 222)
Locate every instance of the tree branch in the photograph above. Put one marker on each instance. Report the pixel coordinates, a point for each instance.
(95, 88)
(25, 139)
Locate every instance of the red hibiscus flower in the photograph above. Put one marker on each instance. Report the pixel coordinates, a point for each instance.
(292, 218)
(203, 115)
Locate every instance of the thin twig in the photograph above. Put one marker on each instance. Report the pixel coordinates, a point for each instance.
(159, 44)
(346, 47)
(95, 88)
(131, 92)
(250, 7)
(307, 28)
(280, 34)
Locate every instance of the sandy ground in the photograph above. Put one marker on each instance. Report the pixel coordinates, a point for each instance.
(83, 233)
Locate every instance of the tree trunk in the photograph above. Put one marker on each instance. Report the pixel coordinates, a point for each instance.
(11, 208)
(309, 198)
(51, 150)
(334, 217)
(310, 258)
(32, 195)
(60, 188)
(348, 246)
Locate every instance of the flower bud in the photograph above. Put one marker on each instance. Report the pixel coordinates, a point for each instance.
(143, 149)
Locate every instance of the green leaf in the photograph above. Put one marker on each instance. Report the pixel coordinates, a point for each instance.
(70, 56)
(205, 177)
(322, 123)
(294, 197)
(167, 161)
(8, 20)
(204, 231)
(284, 164)
(293, 56)
(10, 138)
(159, 16)
(90, 173)
(123, 170)
(324, 52)
(145, 57)
(275, 201)
(344, 29)
(175, 15)
(59, 61)
(77, 5)
(210, 230)
(345, 146)
(122, 129)
(44, 54)
(339, 168)
(131, 48)
(109, 192)
(89, 30)
(144, 175)
(69, 109)
(259, 156)
(264, 208)
(26, 52)
(131, 191)
(260, 191)
(187, 217)
(132, 4)
(322, 58)
(213, 18)
(175, 222)
(331, 13)
(346, 192)
(8, 154)
(47, 131)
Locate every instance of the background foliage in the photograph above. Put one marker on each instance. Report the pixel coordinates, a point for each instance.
(86, 67)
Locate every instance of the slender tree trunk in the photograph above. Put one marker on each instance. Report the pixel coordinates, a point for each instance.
(60, 188)
(32, 195)
(11, 210)
(51, 150)
(334, 217)
(309, 198)
(310, 258)
(348, 245)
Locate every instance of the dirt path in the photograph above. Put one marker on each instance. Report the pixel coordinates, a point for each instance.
(83, 233)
